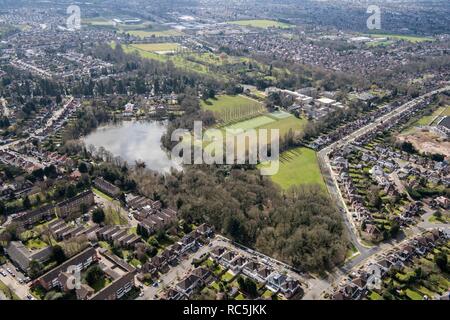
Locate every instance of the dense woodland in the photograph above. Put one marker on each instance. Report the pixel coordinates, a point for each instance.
(301, 227)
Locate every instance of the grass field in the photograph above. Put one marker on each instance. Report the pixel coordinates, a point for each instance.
(286, 124)
(261, 24)
(414, 39)
(253, 123)
(98, 22)
(232, 108)
(157, 47)
(298, 166)
(428, 119)
(162, 33)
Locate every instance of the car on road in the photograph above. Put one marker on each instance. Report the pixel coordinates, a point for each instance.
(3, 273)
(155, 285)
(30, 297)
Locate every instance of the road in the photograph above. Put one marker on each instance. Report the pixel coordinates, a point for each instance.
(173, 275)
(21, 290)
(320, 285)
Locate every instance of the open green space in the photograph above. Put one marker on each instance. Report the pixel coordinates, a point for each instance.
(232, 108)
(251, 123)
(262, 23)
(157, 47)
(162, 33)
(285, 124)
(413, 39)
(298, 166)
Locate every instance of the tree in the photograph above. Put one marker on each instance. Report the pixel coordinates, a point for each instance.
(395, 228)
(235, 229)
(374, 197)
(50, 172)
(26, 203)
(248, 286)
(71, 191)
(35, 269)
(441, 261)
(58, 254)
(82, 167)
(2, 208)
(98, 216)
(94, 274)
(38, 173)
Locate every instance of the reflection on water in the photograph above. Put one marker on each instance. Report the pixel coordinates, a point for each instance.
(134, 141)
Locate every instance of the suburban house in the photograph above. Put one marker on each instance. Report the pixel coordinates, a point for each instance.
(283, 284)
(188, 285)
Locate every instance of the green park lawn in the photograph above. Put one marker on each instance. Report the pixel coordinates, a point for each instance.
(162, 33)
(413, 39)
(264, 24)
(298, 166)
(232, 108)
(252, 123)
(156, 47)
(285, 124)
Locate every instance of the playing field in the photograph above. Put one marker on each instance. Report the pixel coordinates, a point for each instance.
(229, 109)
(252, 123)
(413, 39)
(163, 33)
(285, 124)
(298, 166)
(261, 24)
(98, 22)
(156, 47)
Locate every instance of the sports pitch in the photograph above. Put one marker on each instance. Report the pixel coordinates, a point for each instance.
(261, 23)
(298, 166)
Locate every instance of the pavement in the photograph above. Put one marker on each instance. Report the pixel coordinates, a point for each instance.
(21, 290)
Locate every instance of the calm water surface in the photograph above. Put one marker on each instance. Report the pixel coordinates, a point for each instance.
(134, 141)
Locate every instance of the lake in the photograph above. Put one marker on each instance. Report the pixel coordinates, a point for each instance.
(134, 140)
